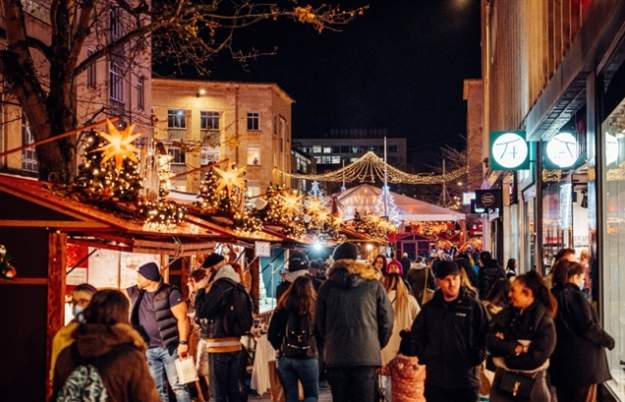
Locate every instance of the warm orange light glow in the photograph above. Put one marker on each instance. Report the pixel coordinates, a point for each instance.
(230, 178)
(119, 144)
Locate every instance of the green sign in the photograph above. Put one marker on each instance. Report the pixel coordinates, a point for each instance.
(563, 151)
(509, 151)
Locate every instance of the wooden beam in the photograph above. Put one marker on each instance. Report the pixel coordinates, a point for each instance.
(57, 264)
(24, 282)
(52, 224)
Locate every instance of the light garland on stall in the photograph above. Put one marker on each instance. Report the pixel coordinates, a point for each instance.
(372, 168)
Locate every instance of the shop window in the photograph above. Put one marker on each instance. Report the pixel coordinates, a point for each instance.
(253, 121)
(177, 155)
(253, 156)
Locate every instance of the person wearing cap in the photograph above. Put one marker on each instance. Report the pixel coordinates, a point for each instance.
(448, 336)
(223, 346)
(297, 266)
(354, 322)
(159, 313)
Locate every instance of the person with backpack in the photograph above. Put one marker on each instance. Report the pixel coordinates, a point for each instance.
(448, 338)
(159, 313)
(421, 281)
(228, 309)
(107, 360)
(354, 321)
(292, 333)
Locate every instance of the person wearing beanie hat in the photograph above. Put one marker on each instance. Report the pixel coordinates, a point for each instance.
(297, 266)
(354, 319)
(214, 261)
(394, 267)
(448, 336)
(159, 314)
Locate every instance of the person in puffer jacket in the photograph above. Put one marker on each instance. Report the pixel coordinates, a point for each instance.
(354, 322)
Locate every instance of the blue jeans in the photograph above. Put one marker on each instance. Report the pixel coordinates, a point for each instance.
(304, 370)
(159, 359)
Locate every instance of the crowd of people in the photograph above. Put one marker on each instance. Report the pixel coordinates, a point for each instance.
(439, 328)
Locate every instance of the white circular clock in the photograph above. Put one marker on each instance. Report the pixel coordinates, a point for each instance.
(509, 150)
(563, 150)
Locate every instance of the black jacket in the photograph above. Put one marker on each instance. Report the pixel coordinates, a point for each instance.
(416, 277)
(488, 276)
(533, 324)
(580, 356)
(449, 339)
(210, 307)
(165, 319)
(354, 316)
(278, 327)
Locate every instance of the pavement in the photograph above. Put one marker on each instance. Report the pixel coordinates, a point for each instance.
(324, 396)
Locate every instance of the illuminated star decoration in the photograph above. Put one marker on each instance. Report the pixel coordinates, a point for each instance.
(119, 144)
(230, 178)
(292, 201)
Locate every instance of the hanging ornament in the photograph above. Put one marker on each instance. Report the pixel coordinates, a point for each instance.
(230, 178)
(119, 145)
(7, 271)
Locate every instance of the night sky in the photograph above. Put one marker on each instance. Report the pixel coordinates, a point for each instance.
(399, 67)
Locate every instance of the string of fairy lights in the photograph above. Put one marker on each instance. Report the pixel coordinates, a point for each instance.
(372, 168)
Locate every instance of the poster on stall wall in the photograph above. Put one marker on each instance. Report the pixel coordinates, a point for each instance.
(104, 268)
(130, 263)
(77, 264)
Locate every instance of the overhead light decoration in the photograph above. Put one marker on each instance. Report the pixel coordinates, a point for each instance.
(119, 145)
(230, 178)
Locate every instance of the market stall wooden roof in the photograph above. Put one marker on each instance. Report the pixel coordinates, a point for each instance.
(29, 202)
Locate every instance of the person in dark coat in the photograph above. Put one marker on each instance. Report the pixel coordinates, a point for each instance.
(420, 277)
(579, 362)
(298, 265)
(405, 263)
(521, 340)
(448, 338)
(106, 340)
(490, 272)
(354, 322)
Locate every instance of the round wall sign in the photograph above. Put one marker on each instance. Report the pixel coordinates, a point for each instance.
(509, 150)
(563, 150)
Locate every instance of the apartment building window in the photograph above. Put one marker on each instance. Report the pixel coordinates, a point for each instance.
(116, 81)
(208, 155)
(327, 150)
(91, 72)
(177, 155)
(253, 121)
(29, 155)
(115, 23)
(392, 148)
(316, 149)
(209, 120)
(176, 118)
(253, 156)
(141, 93)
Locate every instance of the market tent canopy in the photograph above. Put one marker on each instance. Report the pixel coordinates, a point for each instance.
(363, 198)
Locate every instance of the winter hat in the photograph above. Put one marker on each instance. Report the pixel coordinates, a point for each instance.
(213, 260)
(444, 268)
(150, 271)
(345, 251)
(394, 267)
(298, 261)
(464, 263)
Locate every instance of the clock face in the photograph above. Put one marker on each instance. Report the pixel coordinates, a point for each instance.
(563, 150)
(510, 150)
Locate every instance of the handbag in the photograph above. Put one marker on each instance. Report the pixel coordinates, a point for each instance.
(517, 385)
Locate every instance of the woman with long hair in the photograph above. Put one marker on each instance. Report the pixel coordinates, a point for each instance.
(107, 360)
(407, 377)
(521, 340)
(379, 263)
(292, 333)
(579, 362)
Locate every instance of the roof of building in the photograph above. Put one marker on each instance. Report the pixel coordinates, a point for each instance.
(206, 83)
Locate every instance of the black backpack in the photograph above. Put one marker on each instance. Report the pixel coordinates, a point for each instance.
(239, 309)
(298, 338)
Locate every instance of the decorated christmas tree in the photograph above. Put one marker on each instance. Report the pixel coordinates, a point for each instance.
(391, 212)
(102, 178)
(285, 209)
(209, 197)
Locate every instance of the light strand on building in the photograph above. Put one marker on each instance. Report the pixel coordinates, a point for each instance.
(371, 168)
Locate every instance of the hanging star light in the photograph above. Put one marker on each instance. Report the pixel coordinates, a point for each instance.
(230, 178)
(292, 201)
(119, 145)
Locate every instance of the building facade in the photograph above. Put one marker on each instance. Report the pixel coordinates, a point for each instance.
(118, 84)
(206, 121)
(554, 72)
(343, 146)
(302, 163)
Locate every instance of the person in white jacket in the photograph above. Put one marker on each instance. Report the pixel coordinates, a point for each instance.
(406, 309)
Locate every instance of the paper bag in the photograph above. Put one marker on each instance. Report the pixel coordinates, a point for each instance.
(186, 370)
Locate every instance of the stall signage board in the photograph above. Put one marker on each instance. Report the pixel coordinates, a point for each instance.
(488, 199)
(262, 249)
(509, 150)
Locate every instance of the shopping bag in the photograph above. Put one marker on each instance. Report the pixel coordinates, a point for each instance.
(186, 370)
